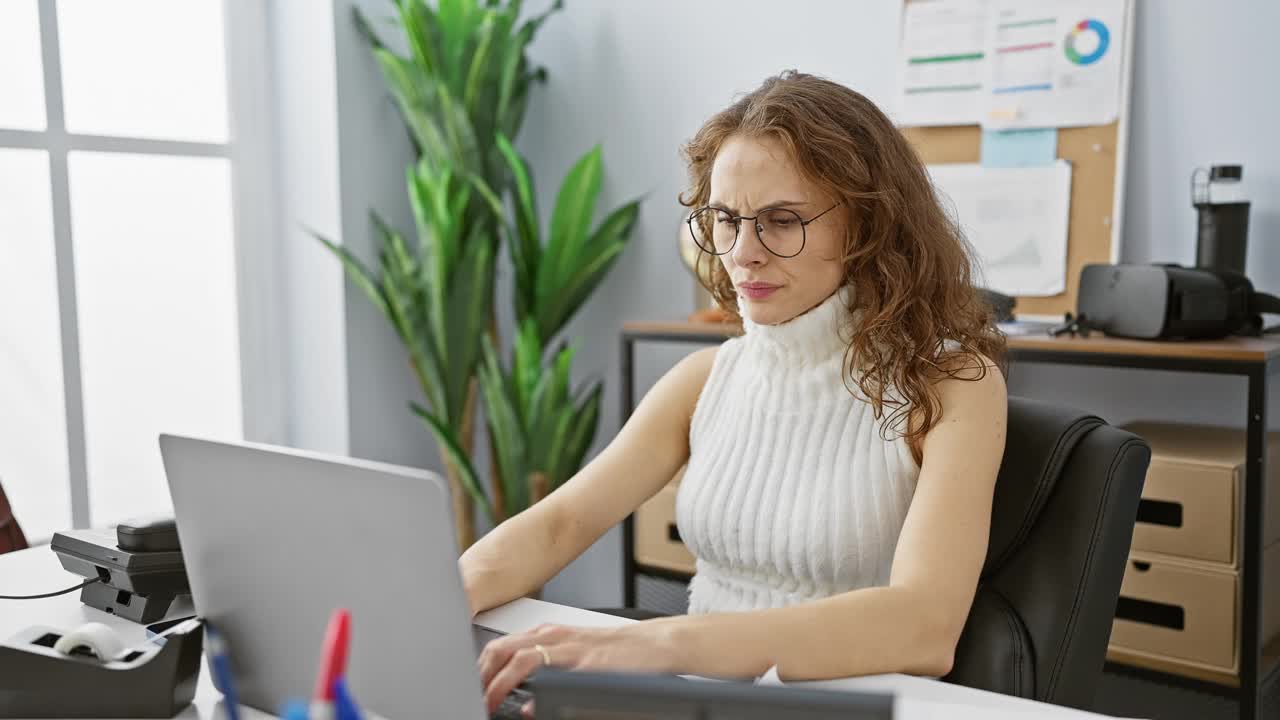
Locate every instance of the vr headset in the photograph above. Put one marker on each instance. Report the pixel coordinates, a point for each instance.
(1159, 302)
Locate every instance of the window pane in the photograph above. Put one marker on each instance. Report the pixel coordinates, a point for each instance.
(21, 77)
(144, 68)
(156, 290)
(33, 430)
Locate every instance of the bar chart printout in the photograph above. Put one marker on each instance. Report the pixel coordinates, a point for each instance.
(942, 63)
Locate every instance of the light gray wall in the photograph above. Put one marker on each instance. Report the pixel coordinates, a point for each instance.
(341, 152)
(374, 150)
(1204, 92)
(305, 145)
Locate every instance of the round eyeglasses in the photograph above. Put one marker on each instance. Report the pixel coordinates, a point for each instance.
(781, 231)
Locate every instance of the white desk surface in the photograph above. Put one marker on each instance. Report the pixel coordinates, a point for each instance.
(34, 571)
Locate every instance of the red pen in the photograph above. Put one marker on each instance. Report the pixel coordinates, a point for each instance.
(333, 661)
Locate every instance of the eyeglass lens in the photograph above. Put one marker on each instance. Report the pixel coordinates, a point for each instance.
(716, 231)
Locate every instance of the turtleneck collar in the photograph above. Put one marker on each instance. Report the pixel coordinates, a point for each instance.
(809, 338)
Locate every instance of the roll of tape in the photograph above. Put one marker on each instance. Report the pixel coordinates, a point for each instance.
(99, 639)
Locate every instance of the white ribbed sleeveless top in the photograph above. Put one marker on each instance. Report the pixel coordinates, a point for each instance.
(791, 492)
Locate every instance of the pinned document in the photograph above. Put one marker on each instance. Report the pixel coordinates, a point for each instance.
(1015, 219)
(1053, 63)
(942, 63)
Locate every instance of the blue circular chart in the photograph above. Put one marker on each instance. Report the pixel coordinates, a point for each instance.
(1084, 26)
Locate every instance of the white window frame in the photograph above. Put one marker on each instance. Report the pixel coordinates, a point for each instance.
(253, 191)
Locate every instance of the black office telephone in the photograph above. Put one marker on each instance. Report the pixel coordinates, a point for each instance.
(136, 567)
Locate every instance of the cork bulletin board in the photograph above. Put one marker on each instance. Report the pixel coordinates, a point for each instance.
(1092, 152)
(1097, 155)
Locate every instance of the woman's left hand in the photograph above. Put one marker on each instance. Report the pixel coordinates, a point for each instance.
(508, 661)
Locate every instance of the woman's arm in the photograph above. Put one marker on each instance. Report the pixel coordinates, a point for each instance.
(526, 551)
(912, 625)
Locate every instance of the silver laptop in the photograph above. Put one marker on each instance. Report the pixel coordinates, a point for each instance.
(274, 539)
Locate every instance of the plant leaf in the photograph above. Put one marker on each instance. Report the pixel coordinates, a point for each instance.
(570, 222)
(490, 198)
(587, 421)
(366, 28)
(505, 431)
(408, 86)
(361, 276)
(617, 226)
(526, 247)
(527, 365)
(458, 131)
(452, 17)
(555, 447)
(479, 69)
(513, 119)
(588, 268)
(466, 471)
(421, 28)
(469, 299)
(560, 309)
(514, 80)
(435, 236)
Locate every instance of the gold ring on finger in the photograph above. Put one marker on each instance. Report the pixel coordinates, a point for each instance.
(546, 656)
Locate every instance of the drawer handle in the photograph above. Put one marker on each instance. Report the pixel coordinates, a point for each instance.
(1141, 566)
(673, 533)
(1151, 613)
(1160, 512)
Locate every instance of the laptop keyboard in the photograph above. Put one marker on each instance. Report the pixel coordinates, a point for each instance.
(510, 707)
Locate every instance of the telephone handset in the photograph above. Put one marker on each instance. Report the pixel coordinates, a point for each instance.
(154, 533)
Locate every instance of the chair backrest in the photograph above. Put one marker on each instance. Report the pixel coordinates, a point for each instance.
(11, 537)
(1062, 520)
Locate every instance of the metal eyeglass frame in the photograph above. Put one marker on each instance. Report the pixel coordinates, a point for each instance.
(737, 232)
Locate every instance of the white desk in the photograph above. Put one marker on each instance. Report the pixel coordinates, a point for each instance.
(34, 571)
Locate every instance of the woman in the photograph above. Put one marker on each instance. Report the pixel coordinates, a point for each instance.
(840, 455)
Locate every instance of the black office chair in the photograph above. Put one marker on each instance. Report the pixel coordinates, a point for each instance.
(1065, 502)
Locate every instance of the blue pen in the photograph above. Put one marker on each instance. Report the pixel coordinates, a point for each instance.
(220, 666)
(295, 710)
(344, 705)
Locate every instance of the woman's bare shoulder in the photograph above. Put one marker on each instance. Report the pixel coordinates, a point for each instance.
(667, 408)
(691, 373)
(700, 361)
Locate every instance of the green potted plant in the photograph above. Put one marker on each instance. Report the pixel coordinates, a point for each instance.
(462, 91)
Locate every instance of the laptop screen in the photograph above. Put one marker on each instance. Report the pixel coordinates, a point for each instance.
(483, 636)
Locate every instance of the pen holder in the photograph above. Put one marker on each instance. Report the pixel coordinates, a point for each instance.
(151, 681)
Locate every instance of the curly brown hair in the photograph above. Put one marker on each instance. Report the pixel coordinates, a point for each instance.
(919, 317)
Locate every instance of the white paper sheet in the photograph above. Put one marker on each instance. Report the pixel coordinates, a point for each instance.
(941, 63)
(1053, 63)
(1016, 219)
